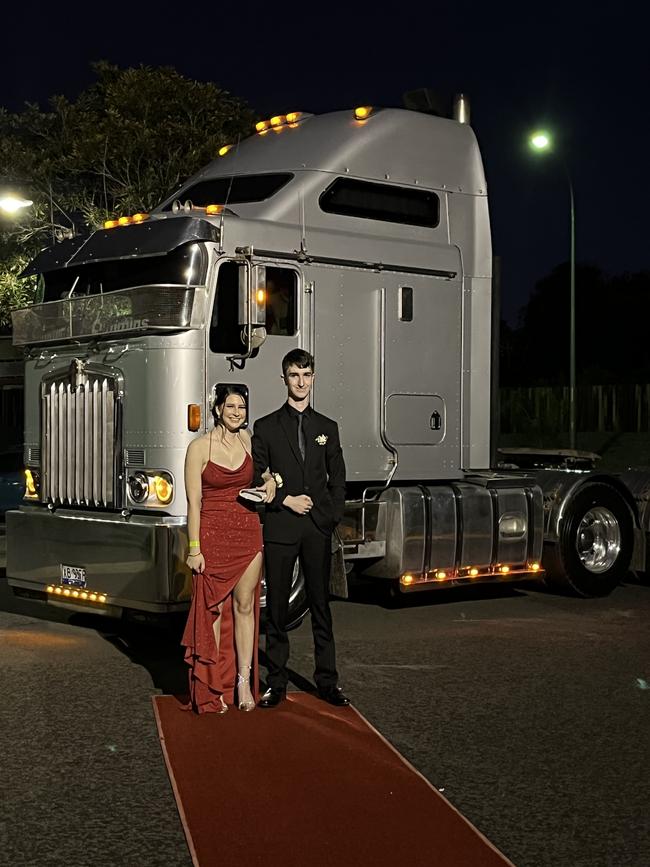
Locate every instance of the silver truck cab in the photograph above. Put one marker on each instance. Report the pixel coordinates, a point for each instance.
(362, 236)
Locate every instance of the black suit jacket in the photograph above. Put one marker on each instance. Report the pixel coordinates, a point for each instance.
(321, 475)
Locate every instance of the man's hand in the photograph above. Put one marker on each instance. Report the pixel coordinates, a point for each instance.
(300, 504)
(269, 487)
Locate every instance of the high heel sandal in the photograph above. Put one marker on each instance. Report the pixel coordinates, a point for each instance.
(245, 704)
(224, 707)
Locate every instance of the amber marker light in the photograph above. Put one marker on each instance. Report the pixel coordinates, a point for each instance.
(363, 112)
(58, 591)
(84, 595)
(213, 210)
(504, 569)
(407, 579)
(102, 598)
(473, 572)
(93, 597)
(139, 218)
(277, 120)
(30, 484)
(294, 116)
(224, 150)
(262, 126)
(441, 575)
(110, 224)
(534, 567)
(123, 221)
(66, 592)
(193, 416)
(261, 296)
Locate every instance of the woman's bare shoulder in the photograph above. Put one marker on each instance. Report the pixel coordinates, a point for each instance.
(199, 447)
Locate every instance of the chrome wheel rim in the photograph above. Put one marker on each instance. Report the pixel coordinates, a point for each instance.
(598, 540)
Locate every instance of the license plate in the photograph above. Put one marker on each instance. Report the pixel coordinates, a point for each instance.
(73, 576)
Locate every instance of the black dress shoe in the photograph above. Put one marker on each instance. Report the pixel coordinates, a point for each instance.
(273, 696)
(334, 695)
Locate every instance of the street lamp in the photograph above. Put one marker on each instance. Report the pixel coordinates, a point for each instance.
(10, 204)
(542, 142)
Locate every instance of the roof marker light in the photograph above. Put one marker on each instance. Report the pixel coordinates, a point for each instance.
(224, 150)
(278, 120)
(123, 221)
(139, 218)
(294, 116)
(110, 224)
(262, 126)
(211, 210)
(362, 112)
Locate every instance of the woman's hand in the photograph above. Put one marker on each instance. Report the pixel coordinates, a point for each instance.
(196, 562)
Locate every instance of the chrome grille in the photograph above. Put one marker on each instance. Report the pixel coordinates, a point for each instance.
(80, 436)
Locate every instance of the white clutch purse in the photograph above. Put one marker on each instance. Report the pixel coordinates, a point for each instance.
(252, 495)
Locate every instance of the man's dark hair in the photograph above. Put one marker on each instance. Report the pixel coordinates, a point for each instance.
(300, 357)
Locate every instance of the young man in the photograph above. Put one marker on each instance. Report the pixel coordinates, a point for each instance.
(301, 448)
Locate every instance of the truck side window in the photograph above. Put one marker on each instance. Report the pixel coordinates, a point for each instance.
(225, 330)
(389, 202)
(281, 307)
(281, 301)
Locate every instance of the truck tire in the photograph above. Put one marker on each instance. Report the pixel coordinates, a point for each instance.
(594, 549)
(297, 598)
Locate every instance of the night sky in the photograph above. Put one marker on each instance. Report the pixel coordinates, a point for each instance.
(579, 69)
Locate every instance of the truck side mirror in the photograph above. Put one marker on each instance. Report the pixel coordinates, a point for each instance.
(252, 296)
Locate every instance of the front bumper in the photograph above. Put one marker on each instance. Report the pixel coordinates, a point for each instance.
(136, 562)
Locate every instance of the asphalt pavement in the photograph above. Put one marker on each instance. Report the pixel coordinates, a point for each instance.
(531, 712)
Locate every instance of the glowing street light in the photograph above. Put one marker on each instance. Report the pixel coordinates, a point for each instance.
(11, 204)
(541, 142)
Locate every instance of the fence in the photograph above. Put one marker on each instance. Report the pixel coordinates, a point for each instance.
(620, 408)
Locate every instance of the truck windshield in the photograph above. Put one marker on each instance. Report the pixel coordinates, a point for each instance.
(233, 190)
(185, 266)
(147, 295)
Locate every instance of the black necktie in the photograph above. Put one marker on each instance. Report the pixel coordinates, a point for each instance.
(301, 438)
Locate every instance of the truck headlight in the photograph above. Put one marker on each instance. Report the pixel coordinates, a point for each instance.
(151, 488)
(163, 488)
(138, 487)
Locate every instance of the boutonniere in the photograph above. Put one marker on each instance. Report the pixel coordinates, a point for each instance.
(321, 439)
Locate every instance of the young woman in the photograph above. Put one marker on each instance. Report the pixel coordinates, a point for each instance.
(225, 556)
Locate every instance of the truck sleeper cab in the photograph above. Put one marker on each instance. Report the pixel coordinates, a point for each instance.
(366, 242)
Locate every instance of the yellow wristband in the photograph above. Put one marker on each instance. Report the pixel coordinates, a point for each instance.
(194, 543)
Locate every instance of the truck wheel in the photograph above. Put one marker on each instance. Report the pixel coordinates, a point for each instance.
(595, 542)
(297, 598)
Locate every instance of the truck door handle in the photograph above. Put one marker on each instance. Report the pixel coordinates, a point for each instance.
(435, 422)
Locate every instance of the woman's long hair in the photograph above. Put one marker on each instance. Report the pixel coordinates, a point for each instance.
(220, 394)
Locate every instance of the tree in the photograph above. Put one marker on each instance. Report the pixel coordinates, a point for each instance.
(120, 148)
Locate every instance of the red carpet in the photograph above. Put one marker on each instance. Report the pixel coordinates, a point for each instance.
(307, 784)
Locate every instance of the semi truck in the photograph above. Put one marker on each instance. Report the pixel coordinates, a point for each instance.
(363, 236)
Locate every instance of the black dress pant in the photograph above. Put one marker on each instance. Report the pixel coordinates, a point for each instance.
(314, 550)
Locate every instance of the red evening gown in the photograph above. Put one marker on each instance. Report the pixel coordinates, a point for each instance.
(230, 537)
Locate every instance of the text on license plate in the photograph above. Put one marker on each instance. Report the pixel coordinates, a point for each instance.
(74, 576)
